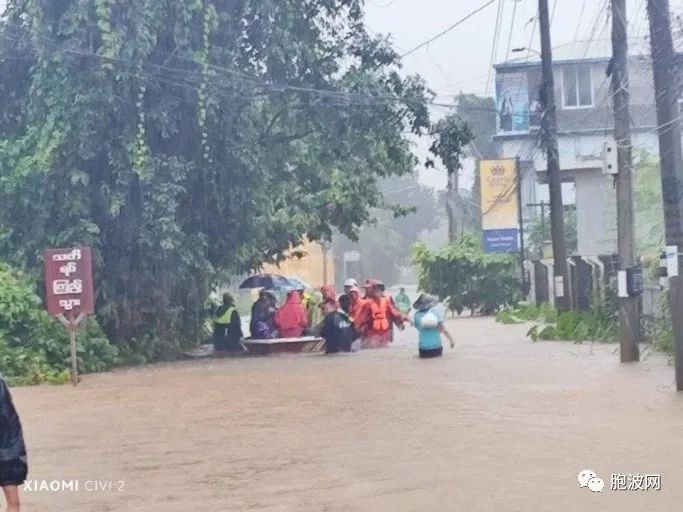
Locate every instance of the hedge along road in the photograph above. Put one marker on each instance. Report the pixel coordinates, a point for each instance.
(499, 424)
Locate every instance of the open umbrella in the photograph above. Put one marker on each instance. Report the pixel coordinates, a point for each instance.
(267, 281)
(298, 284)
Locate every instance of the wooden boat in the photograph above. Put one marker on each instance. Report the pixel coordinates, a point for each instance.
(306, 344)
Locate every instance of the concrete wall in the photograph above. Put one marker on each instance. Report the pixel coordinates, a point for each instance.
(596, 219)
(581, 162)
(311, 267)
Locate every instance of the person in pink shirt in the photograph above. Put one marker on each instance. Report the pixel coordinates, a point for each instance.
(291, 319)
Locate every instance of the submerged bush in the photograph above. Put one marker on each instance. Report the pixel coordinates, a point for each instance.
(467, 277)
(34, 347)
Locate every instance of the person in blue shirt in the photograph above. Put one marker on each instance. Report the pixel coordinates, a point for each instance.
(428, 321)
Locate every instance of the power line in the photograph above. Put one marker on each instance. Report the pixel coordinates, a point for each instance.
(512, 30)
(192, 80)
(578, 25)
(495, 45)
(446, 31)
(552, 16)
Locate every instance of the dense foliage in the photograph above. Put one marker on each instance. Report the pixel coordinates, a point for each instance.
(599, 324)
(539, 234)
(658, 329)
(480, 115)
(451, 136)
(180, 138)
(34, 347)
(647, 204)
(466, 277)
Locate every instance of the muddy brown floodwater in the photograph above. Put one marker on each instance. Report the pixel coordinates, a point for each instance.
(499, 424)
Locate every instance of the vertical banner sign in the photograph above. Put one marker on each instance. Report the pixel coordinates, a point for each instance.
(500, 206)
(69, 291)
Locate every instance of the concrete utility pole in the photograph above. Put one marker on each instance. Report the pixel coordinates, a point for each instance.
(629, 307)
(670, 157)
(549, 132)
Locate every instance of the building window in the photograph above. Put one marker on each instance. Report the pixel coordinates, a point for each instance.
(577, 89)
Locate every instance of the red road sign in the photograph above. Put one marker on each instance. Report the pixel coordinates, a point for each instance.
(68, 281)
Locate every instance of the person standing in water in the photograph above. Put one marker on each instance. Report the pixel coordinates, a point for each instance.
(402, 301)
(376, 316)
(227, 330)
(13, 461)
(336, 328)
(429, 322)
(346, 298)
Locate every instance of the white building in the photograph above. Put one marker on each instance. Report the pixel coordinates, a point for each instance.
(585, 123)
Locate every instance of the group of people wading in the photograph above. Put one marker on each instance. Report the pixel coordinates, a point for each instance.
(373, 313)
(359, 318)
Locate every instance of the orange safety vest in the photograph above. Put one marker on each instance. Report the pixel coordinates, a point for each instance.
(380, 322)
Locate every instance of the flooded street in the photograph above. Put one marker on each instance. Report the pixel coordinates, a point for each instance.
(499, 424)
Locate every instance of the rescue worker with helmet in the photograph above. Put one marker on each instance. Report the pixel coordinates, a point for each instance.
(376, 316)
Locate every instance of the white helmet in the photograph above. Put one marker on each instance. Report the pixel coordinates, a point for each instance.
(350, 283)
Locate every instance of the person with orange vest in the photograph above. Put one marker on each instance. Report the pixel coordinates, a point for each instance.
(376, 316)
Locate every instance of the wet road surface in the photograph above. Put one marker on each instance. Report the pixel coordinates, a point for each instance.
(498, 424)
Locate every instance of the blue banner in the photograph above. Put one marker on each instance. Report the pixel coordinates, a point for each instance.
(501, 240)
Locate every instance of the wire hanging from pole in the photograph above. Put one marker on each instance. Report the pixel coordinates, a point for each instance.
(447, 30)
(512, 29)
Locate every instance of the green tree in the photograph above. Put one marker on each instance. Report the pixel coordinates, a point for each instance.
(480, 115)
(451, 135)
(34, 348)
(466, 277)
(647, 204)
(539, 233)
(181, 138)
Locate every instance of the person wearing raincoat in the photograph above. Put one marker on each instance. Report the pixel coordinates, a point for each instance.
(291, 319)
(402, 301)
(262, 326)
(13, 461)
(328, 292)
(314, 313)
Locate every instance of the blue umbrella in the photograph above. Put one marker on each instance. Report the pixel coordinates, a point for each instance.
(267, 281)
(298, 284)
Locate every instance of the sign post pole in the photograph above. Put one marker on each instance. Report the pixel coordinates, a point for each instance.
(69, 292)
(74, 352)
(520, 212)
